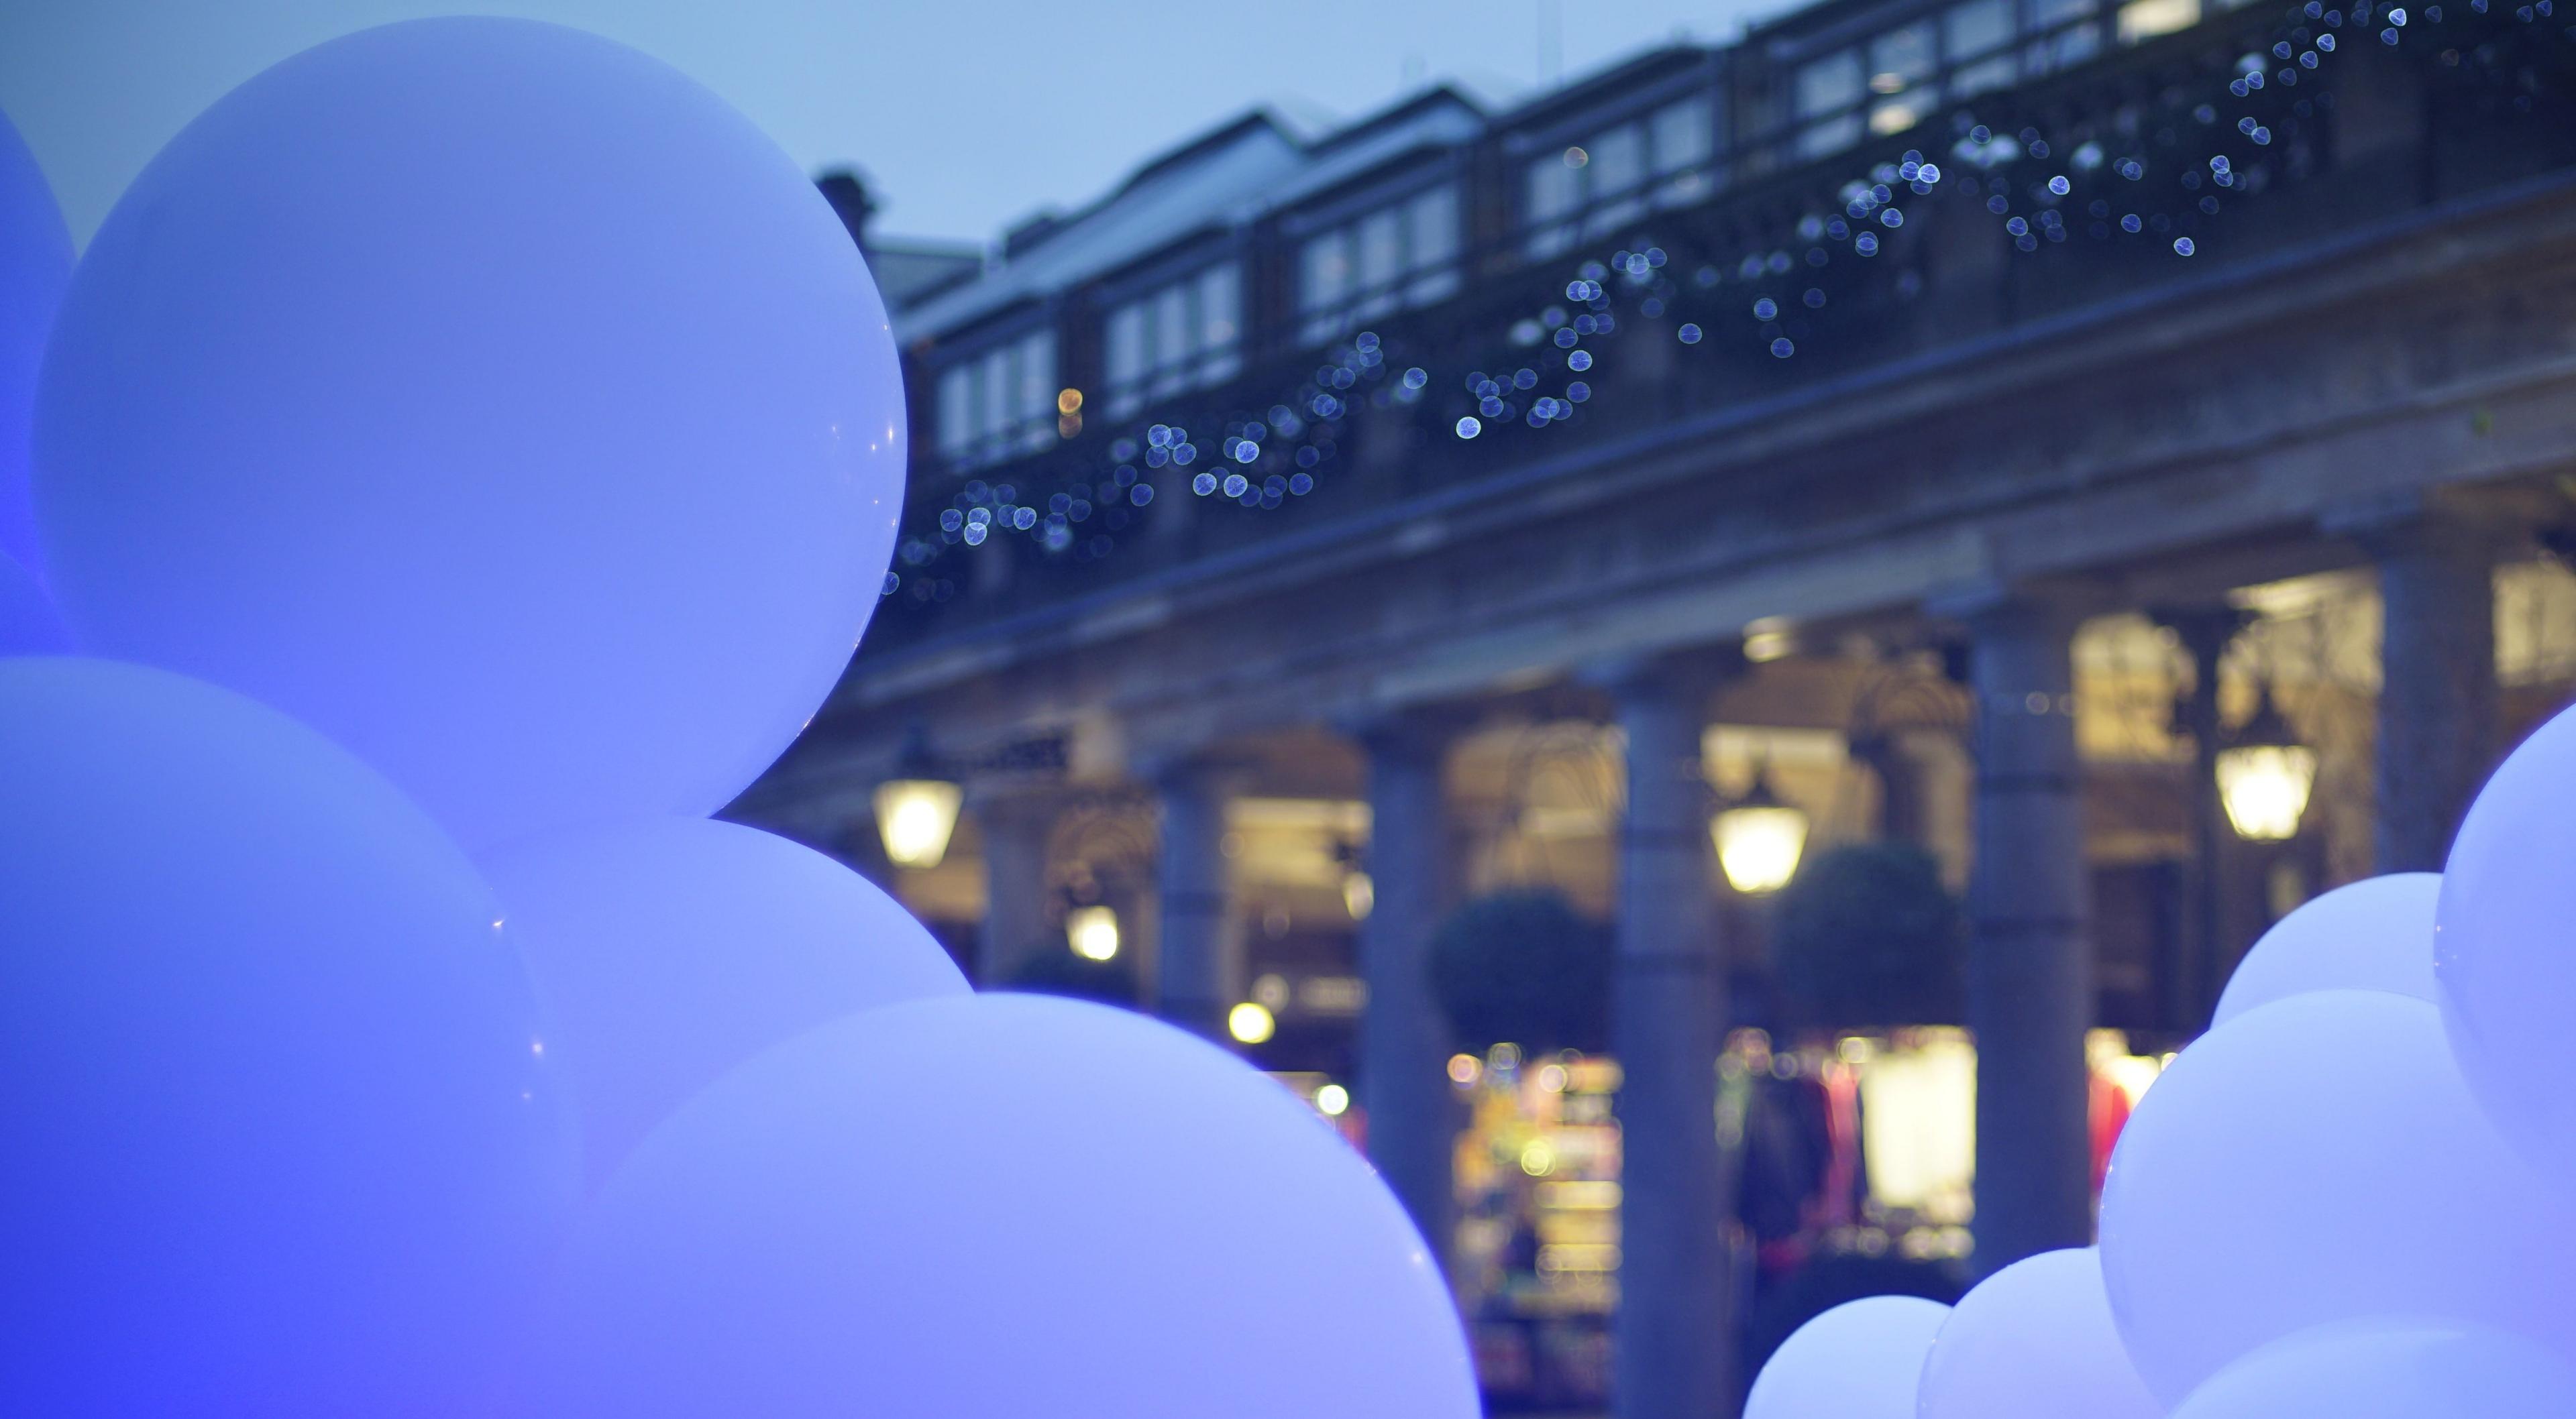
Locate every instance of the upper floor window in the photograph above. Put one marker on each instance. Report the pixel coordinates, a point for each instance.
(999, 403)
(1402, 254)
(1183, 336)
(2063, 33)
(1977, 38)
(1895, 80)
(1591, 188)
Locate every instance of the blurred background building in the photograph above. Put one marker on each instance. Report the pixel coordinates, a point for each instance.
(1717, 663)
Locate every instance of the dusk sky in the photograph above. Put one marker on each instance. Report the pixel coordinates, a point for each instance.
(966, 115)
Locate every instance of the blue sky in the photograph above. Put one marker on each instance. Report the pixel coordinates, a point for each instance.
(968, 115)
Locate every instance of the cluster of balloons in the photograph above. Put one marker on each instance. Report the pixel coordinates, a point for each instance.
(2354, 1198)
(462, 461)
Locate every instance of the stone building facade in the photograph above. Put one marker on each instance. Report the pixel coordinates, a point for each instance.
(1480, 493)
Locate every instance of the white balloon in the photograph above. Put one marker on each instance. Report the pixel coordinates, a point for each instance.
(275, 1137)
(2314, 1160)
(2390, 1369)
(2502, 951)
(667, 951)
(2034, 1341)
(29, 624)
(494, 399)
(35, 266)
(2374, 934)
(998, 1207)
(1860, 1360)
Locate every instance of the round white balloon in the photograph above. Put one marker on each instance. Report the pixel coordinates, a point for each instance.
(497, 401)
(2314, 1160)
(2391, 1369)
(667, 951)
(2034, 1341)
(1860, 1360)
(996, 1207)
(35, 266)
(276, 1137)
(28, 623)
(2374, 934)
(2502, 949)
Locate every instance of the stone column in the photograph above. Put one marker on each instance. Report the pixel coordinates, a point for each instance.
(1673, 1337)
(1404, 1044)
(2030, 976)
(1016, 916)
(2437, 693)
(1199, 955)
(2189, 992)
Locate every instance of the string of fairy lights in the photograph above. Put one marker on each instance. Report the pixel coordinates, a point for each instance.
(2213, 146)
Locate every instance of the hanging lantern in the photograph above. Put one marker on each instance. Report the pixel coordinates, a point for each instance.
(2264, 776)
(1359, 895)
(917, 809)
(1759, 839)
(1092, 932)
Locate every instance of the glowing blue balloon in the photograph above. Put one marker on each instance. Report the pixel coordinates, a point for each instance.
(1859, 1360)
(668, 951)
(995, 1207)
(2501, 951)
(275, 1138)
(29, 625)
(35, 265)
(2375, 934)
(2391, 1369)
(495, 400)
(2034, 1341)
(2319, 1160)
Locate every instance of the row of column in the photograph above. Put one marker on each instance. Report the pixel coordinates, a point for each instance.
(2030, 998)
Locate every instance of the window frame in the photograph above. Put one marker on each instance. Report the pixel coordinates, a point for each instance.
(995, 401)
(1664, 180)
(1210, 342)
(1419, 272)
(2034, 44)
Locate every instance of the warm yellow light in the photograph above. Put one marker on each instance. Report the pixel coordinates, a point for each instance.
(1758, 845)
(1893, 118)
(2145, 19)
(1465, 1069)
(1069, 402)
(1918, 1119)
(1551, 1077)
(1251, 1022)
(1538, 1157)
(915, 817)
(1333, 1099)
(1359, 895)
(2265, 788)
(1093, 932)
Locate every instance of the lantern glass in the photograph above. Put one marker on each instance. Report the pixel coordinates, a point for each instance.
(2264, 788)
(1251, 1022)
(1759, 844)
(1359, 895)
(1093, 932)
(915, 817)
